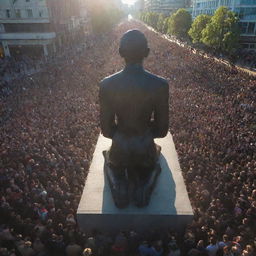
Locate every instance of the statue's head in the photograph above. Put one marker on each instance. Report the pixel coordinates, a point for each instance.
(133, 46)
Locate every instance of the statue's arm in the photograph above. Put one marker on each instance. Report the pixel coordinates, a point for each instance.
(161, 112)
(107, 115)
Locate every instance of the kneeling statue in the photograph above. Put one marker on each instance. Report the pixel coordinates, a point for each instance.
(134, 110)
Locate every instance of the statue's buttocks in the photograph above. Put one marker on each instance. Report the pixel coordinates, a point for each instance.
(134, 111)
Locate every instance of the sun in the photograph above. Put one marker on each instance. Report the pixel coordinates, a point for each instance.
(129, 2)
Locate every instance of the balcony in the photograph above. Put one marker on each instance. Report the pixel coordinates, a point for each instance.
(23, 20)
(27, 36)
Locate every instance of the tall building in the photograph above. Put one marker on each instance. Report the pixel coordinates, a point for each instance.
(138, 5)
(245, 9)
(37, 26)
(164, 6)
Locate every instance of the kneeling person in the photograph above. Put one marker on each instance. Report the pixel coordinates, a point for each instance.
(134, 110)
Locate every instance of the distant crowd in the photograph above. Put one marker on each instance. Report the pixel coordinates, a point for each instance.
(21, 64)
(248, 58)
(49, 125)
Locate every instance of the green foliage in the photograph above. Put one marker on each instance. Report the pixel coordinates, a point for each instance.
(160, 23)
(180, 23)
(151, 18)
(198, 26)
(222, 33)
(165, 25)
(219, 32)
(156, 20)
(210, 36)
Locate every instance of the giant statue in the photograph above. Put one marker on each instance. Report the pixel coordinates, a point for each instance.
(134, 110)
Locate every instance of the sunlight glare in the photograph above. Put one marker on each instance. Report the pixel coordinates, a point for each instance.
(129, 2)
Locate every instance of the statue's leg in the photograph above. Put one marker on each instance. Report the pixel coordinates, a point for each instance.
(144, 185)
(117, 178)
(144, 177)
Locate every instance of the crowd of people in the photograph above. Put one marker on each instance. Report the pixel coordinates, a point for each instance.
(14, 68)
(248, 59)
(20, 64)
(49, 125)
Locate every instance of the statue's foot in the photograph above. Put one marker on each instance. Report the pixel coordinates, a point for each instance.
(118, 184)
(120, 193)
(141, 196)
(144, 185)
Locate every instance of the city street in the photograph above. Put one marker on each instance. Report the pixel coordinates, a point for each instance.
(50, 122)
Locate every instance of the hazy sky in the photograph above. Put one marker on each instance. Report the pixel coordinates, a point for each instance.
(129, 1)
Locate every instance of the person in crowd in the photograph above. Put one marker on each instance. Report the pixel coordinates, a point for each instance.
(73, 249)
(87, 252)
(144, 249)
(26, 250)
(173, 248)
(213, 247)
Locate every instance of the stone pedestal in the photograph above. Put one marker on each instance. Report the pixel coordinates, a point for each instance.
(169, 205)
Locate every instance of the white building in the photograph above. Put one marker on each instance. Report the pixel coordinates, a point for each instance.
(246, 10)
(38, 26)
(25, 23)
(165, 6)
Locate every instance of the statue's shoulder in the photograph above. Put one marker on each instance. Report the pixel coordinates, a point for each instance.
(107, 81)
(157, 80)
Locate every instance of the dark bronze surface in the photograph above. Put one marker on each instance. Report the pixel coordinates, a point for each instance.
(134, 110)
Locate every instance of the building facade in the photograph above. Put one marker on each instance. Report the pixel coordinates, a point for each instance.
(164, 6)
(37, 26)
(246, 11)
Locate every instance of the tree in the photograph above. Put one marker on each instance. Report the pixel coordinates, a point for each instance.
(165, 25)
(222, 33)
(199, 24)
(160, 23)
(179, 23)
(153, 19)
(143, 16)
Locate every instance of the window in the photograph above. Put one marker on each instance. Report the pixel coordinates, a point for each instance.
(247, 27)
(247, 2)
(8, 13)
(249, 46)
(29, 13)
(251, 28)
(41, 13)
(2, 30)
(243, 27)
(17, 13)
(247, 13)
(245, 46)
